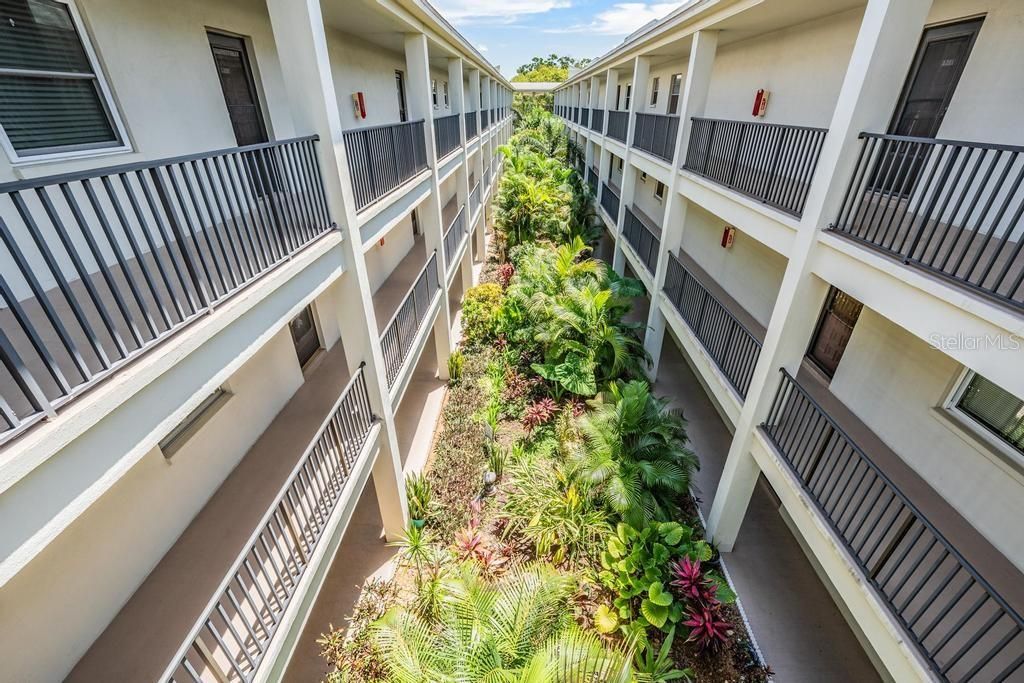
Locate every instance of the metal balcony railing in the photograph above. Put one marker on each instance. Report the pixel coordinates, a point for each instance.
(234, 633)
(474, 197)
(453, 237)
(585, 117)
(642, 238)
(952, 208)
(959, 623)
(382, 158)
(618, 125)
(447, 137)
(770, 162)
(485, 119)
(730, 344)
(610, 202)
(100, 265)
(597, 120)
(471, 131)
(399, 334)
(592, 179)
(656, 133)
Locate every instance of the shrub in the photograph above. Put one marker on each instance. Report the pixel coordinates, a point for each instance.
(455, 362)
(505, 273)
(418, 494)
(480, 308)
(539, 413)
(355, 657)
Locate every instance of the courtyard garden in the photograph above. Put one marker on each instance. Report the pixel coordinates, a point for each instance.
(553, 535)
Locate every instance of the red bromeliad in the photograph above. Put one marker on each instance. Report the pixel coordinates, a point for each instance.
(691, 583)
(707, 627)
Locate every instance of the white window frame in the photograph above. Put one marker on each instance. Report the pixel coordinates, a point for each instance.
(433, 91)
(444, 88)
(106, 96)
(655, 85)
(976, 430)
(658, 185)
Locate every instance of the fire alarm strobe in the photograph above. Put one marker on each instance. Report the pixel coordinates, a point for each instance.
(760, 102)
(728, 236)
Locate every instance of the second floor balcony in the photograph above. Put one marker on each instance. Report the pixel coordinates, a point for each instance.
(656, 134)
(447, 136)
(610, 201)
(641, 233)
(769, 162)
(471, 125)
(102, 265)
(951, 208)
(382, 158)
(597, 120)
(618, 125)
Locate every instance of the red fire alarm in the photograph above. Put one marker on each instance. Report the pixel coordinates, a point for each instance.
(760, 102)
(358, 105)
(728, 237)
(381, 242)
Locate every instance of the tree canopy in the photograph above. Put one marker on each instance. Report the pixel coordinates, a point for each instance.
(550, 69)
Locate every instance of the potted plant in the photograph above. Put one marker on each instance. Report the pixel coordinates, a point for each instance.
(418, 493)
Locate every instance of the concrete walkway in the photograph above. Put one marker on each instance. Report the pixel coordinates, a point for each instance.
(801, 632)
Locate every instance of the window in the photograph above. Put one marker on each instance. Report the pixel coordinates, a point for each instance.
(674, 87)
(188, 427)
(403, 112)
(655, 84)
(618, 96)
(659, 191)
(445, 88)
(629, 93)
(304, 336)
(433, 92)
(998, 411)
(54, 100)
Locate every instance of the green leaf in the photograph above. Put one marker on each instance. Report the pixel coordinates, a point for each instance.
(658, 595)
(616, 548)
(605, 621)
(702, 551)
(723, 591)
(656, 614)
(671, 533)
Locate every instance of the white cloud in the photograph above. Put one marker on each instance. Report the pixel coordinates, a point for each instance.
(481, 47)
(467, 11)
(623, 18)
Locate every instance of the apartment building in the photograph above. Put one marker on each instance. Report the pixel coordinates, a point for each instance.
(824, 202)
(234, 234)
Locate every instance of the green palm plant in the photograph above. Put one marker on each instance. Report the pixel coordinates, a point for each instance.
(514, 630)
(634, 453)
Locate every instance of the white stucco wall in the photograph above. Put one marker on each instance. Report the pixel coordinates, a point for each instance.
(381, 259)
(749, 271)
(359, 66)
(71, 591)
(893, 381)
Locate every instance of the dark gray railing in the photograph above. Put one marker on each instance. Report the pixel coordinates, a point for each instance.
(585, 117)
(656, 133)
(400, 333)
(952, 208)
(235, 630)
(730, 344)
(99, 266)
(447, 137)
(381, 158)
(618, 125)
(485, 119)
(597, 120)
(487, 178)
(474, 197)
(592, 179)
(960, 624)
(770, 162)
(471, 131)
(639, 235)
(610, 202)
(453, 237)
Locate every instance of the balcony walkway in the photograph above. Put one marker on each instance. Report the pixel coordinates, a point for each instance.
(145, 635)
(390, 295)
(801, 632)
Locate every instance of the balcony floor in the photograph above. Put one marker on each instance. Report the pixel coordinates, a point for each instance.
(141, 640)
(802, 634)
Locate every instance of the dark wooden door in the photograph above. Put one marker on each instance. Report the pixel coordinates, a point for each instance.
(236, 81)
(403, 110)
(304, 336)
(834, 330)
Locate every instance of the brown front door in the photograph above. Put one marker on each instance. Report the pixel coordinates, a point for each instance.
(239, 87)
(834, 330)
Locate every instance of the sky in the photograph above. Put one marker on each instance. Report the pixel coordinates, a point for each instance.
(511, 32)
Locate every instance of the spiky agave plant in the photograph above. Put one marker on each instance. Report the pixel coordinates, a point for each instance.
(514, 629)
(634, 453)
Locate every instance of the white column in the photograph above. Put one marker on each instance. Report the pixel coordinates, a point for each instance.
(417, 64)
(694, 98)
(641, 71)
(881, 58)
(302, 51)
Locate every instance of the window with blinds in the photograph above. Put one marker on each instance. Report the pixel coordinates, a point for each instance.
(999, 411)
(51, 98)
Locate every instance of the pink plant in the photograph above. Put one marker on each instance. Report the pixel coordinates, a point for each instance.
(505, 273)
(691, 583)
(469, 541)
(538, 413)
(707, 627)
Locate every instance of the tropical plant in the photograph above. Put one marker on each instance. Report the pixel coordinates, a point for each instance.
(658, 667)
(512, 629)
(634, 453)
(707, 626)
(418, 492)
(549, 509)
(690, 583)
(456, 361)
(539, 413)
(480, 308)
(636, 565)
(505, 273)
